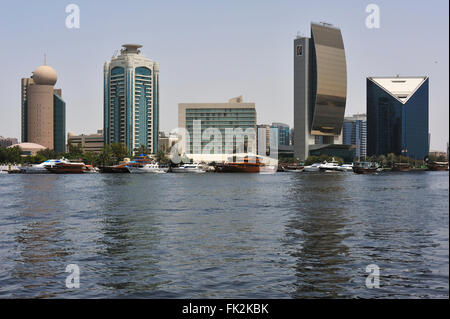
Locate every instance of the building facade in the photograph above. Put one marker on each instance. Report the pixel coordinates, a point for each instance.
(131, 100)
(43, 115)
(397, 116)
(7, 141)
(320, 88)
(354, 132)
(167, 141)
(227, 118)
(284, 133)
(88, 142)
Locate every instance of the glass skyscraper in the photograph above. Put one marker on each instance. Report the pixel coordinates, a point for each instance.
(131, 100)
(354, 132)
(320, 88)
(397, 116)
(284, 138)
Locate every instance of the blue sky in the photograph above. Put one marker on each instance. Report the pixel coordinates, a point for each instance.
(215, 50)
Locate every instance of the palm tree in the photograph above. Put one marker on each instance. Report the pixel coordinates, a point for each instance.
(162, 158)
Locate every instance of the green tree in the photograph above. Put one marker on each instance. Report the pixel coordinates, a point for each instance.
(119, 152)
(382, 160)
(91, 158)
(47, 154)
(105, 158)
(13, 155)
(391, 159)
(142, 150)
(162, 158)
(311, 160)
(75, 151)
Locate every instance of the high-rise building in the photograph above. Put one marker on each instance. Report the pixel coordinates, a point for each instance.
(225, 117)
(43, 110)
(131, 100)
(283, 133)
(397, 116)
(320, 88)
(354, 132)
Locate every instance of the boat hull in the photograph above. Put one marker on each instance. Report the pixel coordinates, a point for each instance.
(34, 170)
(145, 170)
(437, 167)
(401, 167)
(360, 170)
(187, 170)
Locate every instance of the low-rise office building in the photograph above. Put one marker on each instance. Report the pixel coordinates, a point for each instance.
(87, 142)
(211, 130)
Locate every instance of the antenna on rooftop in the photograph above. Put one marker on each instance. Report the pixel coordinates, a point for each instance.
(45, 59)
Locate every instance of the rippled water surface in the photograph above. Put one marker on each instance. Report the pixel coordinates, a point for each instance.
(225, 235)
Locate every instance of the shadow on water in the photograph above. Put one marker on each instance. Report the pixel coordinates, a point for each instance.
(129, 237)
(40, 240)
(315, 235)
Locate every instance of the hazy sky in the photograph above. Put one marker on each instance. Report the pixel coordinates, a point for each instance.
(210, 51)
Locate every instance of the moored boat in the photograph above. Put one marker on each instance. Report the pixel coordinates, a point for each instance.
(401, 167)
(147, 168)
(42, 167)
(293, 168)
(189, 168)
(69, 168)
(437, 166)
(121, 168)
(346, 168)
(312, 168)
(365, 168)
(248, 164)
(329, 166)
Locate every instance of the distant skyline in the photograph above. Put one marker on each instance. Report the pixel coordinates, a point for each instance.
(210, 51)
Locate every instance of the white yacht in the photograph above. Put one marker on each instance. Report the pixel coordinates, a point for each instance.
(330, 166)
(41, 168)
(189, 168)
(346, 168)
(312, 168)
(147, 168)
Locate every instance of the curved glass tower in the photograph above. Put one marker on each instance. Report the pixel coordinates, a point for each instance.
(320, 88)
(131, 100)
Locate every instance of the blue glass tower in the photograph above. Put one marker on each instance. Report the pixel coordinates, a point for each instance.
(397, 116)
(131, 100)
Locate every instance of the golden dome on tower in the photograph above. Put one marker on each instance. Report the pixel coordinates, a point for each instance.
(45, 75)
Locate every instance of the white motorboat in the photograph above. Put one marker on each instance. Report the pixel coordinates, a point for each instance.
(147, 168)
(41, 168)
(346, 168)
(189, 168)
(330, 166)
(312, 168)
